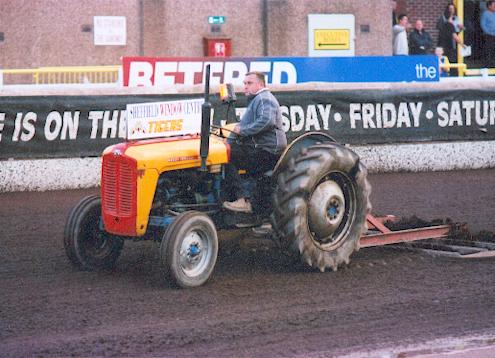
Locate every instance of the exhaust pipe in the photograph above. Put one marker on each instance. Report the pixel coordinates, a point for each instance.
(205, 123)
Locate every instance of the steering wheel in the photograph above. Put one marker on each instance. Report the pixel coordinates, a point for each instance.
(221, 129)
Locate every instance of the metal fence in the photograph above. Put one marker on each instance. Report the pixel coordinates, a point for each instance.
(61, 75)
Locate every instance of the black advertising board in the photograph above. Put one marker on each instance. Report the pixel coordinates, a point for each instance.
(82, 126)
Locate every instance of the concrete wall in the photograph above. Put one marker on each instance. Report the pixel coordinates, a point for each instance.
(74, 173)
(50, 32)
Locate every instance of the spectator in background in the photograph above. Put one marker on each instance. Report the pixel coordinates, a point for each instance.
(401, 46)
(420, 42)
(448, 36)
(442, 62)
(487, 23)
(450, 15)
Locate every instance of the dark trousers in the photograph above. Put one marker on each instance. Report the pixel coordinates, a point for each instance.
(489, 49)
(254, 161)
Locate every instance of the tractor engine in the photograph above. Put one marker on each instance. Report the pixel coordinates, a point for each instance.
(155, 178)
(179, 191)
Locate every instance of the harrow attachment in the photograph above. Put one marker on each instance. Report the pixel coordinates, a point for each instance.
(449, 239)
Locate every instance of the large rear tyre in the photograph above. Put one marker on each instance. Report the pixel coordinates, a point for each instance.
(320, 205)
(189, 249)
(88, 246)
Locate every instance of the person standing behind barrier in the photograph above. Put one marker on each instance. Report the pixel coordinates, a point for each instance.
(420, 42)
(450, 15)
(401, 46)
(442, 62)
(487, 23)
(448, 38)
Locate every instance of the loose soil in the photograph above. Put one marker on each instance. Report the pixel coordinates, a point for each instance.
(255, 304)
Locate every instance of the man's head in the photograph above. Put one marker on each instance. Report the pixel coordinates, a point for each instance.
(418, 25)
(490, 5)
(253, 82)
(403, 20)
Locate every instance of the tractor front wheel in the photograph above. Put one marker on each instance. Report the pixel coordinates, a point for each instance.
(189, 249)
(87, 245)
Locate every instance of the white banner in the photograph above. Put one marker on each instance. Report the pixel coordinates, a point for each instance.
(110, 30)
(164, 119)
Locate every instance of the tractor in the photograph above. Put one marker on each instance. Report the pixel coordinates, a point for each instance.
(171, 190)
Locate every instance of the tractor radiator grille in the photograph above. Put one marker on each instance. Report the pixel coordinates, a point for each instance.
(118, 186)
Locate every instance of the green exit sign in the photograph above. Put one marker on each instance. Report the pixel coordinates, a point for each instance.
(216, 20)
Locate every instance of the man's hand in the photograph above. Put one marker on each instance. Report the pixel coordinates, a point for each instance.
(237, 129)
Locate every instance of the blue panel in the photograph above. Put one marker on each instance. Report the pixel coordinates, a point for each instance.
(358, 69)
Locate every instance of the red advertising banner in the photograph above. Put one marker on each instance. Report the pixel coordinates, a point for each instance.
(163, 72)
(169, 71)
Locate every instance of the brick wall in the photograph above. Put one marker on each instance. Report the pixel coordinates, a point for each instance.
(41, 33)
(50, 32)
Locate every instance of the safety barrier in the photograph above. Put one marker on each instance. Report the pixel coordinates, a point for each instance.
(446, 66)
(62, 75)
(59, 139)
(462, 69)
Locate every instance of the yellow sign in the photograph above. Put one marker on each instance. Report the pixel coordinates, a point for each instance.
(332, 39)
(165, 126)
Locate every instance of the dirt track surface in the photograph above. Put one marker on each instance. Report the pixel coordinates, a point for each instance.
(254, 305)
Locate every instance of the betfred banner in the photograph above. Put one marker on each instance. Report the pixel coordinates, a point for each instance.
(164, 119)
(163, 72)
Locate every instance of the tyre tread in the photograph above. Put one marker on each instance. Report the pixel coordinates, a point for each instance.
(289, 214)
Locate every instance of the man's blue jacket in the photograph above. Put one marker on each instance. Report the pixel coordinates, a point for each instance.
(261, 124)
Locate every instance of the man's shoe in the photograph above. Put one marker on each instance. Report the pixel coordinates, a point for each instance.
(240, 205)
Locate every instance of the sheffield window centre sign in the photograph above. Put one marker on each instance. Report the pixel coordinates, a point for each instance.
(163, 72)
(164, 119)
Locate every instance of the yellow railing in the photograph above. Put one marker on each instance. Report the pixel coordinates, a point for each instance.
(61, 75)
(462, 69)
(445, 65)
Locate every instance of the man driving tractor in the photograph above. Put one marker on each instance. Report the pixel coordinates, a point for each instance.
(256, 143)
(177, 191)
